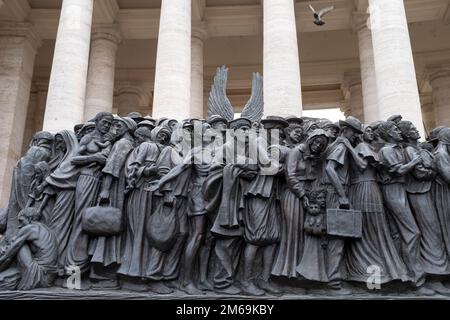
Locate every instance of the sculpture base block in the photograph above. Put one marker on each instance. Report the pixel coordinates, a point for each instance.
(67, 294)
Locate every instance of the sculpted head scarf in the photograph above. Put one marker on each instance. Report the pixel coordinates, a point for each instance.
(316, 133)
(444, 136)
(66, 175)
(159, 129)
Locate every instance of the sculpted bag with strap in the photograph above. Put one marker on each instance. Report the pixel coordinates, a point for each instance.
(102, 220)
(163, 227)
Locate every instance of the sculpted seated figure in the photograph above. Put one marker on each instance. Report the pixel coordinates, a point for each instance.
(29, 260)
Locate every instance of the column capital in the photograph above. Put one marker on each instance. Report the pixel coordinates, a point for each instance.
(21, 29)
(360, 21)
(351, 78)
(109, 32)
(345, 107)
(199, 31)
(129, 87)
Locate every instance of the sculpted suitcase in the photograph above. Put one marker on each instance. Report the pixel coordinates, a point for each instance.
(346, 223)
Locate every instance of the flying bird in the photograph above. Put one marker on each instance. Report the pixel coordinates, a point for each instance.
(319, 14)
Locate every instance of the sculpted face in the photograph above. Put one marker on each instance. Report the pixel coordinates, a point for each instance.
(120, 128)
(296, 134)
(139, 137)
(219, 126)
(318, 145)
(321, 200)
(60, 145)
(413, 133)
(39, 175)
(369, 134)
(162, 138)
(242, 133)
(349, 133)
(104, 125)
(396, 134)
(314, 209)
(332, 132)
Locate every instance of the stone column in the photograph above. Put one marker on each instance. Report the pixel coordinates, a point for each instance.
(394, 65)
(35, 113)
(67, 88)
(440, 83)
(353, 86)
(172, 94)
(198, 38)
(282, 85)
(18, 46)
(102, 62)
(428, 115)
(133, 98)
(368, 77)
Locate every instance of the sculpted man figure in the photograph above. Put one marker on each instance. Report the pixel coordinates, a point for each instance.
(29, 260)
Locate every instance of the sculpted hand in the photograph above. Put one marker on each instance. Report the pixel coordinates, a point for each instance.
(305, 201)
(344, 202)
(104, 195)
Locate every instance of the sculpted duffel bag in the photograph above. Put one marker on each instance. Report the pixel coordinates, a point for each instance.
(102, 221)
(162, 228)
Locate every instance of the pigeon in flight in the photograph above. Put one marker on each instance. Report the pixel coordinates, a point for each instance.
(319, 14)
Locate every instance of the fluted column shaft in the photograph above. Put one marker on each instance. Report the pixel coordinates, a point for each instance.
(18, 46)
(440, 83)
(67, 87)
(368, 76)
(198, 38)
(102, 62)
(282, 85)
(172, 94)
(394, 66)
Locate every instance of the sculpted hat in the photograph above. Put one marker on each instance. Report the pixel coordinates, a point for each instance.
(146, 123)
(216, 118)
(395, 118)
(239, 123)
(161, 120)
(352, 122)
(136, 116)
(328, 124)
(130, 123)
(43, 135)
(444, 136)
(291, 120)
(434, 134)
(316, 133)
(78, 127)
(272, 122)
(149, 118)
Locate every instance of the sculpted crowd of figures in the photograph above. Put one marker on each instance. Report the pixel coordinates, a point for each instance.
(233, 206)
(121, 202)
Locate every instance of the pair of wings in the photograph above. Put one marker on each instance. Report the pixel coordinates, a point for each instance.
(219, 104)
(321, 12)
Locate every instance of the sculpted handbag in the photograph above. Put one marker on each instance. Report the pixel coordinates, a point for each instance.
(162, 227)
(102, 221)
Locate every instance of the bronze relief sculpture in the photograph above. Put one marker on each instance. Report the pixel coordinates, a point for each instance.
(253, 206)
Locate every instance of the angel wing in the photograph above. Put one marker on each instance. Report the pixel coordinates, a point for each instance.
(218, 102)
(324, 11)
(254, 108)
